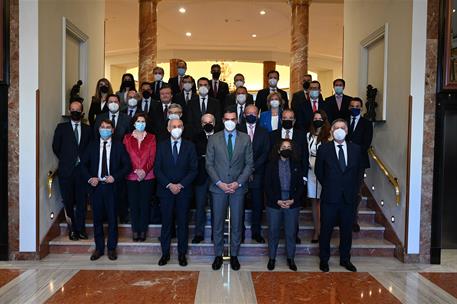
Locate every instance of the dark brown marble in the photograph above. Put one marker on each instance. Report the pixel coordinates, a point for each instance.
(95, 286)
(7, 275)
(147, 39)
(445, 280)
(299, 43)
(334, 287)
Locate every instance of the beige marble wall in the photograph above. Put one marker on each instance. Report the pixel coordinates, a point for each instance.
(148, 39)
(299, 43)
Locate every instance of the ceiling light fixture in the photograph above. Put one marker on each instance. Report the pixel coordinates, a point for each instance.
(262, 12)
(188, 34)
(182, 10)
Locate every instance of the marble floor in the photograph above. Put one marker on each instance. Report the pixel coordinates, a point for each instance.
(69, 278)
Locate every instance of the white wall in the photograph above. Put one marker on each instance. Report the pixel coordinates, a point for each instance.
(89, 17)
(361, 18)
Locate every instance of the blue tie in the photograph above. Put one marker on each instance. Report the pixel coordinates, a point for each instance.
(341, 159)
(175, 151)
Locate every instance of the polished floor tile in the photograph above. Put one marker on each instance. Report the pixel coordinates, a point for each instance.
(6, 275)
(110, 286)
(288, 287)
(445, 280)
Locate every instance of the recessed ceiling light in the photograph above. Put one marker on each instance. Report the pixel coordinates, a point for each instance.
(253, 35)
(262, 12)
(188, 34)
(182, 10)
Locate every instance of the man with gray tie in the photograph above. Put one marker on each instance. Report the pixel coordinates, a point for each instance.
(229, 163)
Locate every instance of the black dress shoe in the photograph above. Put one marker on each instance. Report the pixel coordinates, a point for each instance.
(135, 237)
(95, 255)
(197, 239)
(291, 264)
(217, 264)
(356, 227)
(112, 255)
(73, 236)
(349, 266)
(258, 238)
(297, 240)
(234, 263)
(142, 236)
(323, 266)
(82, 235)
(182, 260)
(164, 260)
(271, 264)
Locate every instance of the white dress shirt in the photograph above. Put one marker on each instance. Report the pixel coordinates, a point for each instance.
(248, 128)
(284, 132)
(73, 123)
(144, 104)
(205, 101)
(274, 122)
(115, 119)
(240, 109)
(345, 150)
(357, 118)
(178, 145)
(108, 154)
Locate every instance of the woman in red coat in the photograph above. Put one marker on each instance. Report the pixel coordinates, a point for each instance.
(141, 147)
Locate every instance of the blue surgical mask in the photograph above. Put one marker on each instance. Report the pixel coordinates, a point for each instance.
(181, 71)
(140, 126)
(338, 90)
(355, 112)
(105, 133)
(314, 94)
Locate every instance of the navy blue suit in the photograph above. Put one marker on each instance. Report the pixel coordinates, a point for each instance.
(104, 195)
(182, 172)
(304, 111)
(338, 197)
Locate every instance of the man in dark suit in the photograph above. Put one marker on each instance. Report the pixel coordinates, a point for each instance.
(241, 102)
(69, 143)
(159, 113)
(120, 120)
(183, 98)
(229, 164)
(230, 99)
(175, 168)
(201, 183)
(147, 99)
(338, 104)
(133, 104)
(360, 133)
(176, 82)
(260, 140)
(202, 104)
(105, 163)
(158, 82)
(304, 108)
(261, 98)
(337, 168)
(217, 88)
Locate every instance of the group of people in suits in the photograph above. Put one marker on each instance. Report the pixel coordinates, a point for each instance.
(166, 146)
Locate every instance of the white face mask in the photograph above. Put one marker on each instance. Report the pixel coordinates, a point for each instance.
(203, 90)
(241, 99)
(273, 82)
(229, 125)
(113, 107)
(176, 133)
(158, 77)
(173, 116)
(339, 134)
(239, 83)
(132, 102)
(187, 86)
(274, 103)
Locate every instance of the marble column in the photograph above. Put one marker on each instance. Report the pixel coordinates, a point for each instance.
(173, 68)
(299, 43)
(147, 39)
(267, 67)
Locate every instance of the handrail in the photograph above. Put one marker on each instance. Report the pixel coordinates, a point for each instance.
(51, 176)
(392, 179)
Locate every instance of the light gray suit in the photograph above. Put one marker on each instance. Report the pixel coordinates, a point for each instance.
(238, 169)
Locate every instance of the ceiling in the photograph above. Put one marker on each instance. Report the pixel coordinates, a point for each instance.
(218, 25)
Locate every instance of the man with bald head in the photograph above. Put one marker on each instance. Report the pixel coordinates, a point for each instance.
(175, 168)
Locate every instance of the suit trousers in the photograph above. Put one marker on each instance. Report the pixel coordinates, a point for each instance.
(257, 208)
(104, 206)
(122, 202)
(139, 194)
(275, 219)
(359, 196)
(220, 203)
(201, 198)
(331, 215)
(74, 191)
(169, 206)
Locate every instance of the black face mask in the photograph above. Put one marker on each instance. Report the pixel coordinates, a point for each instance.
(318, 123)
(306, 85)
(251, 119)
(146, 94)
(208, 128)
(287, 124)
(216, 75)
(286, 153)
(128, 84)
(75, 115)
(104, 89)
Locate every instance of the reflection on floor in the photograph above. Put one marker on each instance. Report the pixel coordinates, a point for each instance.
(138, 279)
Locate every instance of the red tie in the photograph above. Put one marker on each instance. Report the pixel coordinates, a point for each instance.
(314, 105)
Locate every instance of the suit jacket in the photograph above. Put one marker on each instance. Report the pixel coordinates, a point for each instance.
(183, 172)
(303, 109)
(222, 92)
(230, 100)
(123, 125)
(273, 184)
(96, 109)
(156, 89)
(334, 112)
(362, 136)
(265, 120)
(66, 148)
(175, 86)
(338, 187)
(260, 151)
(119, 161)
(159, 121)
(221, 168)
(261, 99)
(194, 113)
(181, 100)
(201, 142)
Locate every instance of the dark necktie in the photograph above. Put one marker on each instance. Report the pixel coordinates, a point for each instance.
(341, 159)
(146, 106)
(187, 97)
(76, 134)
(203, 106)
(352, 126)
(175, 151)
(240, 116)
(215, 89)
(104, 161)
(131, 113)
(165, 112)
(157, 87)
(113, 119)
(230, 146)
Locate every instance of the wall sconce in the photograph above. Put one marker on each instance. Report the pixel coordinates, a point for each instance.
(365, 175)
(372, 187)
(382, 203)
(392, 219)
(51, 215)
